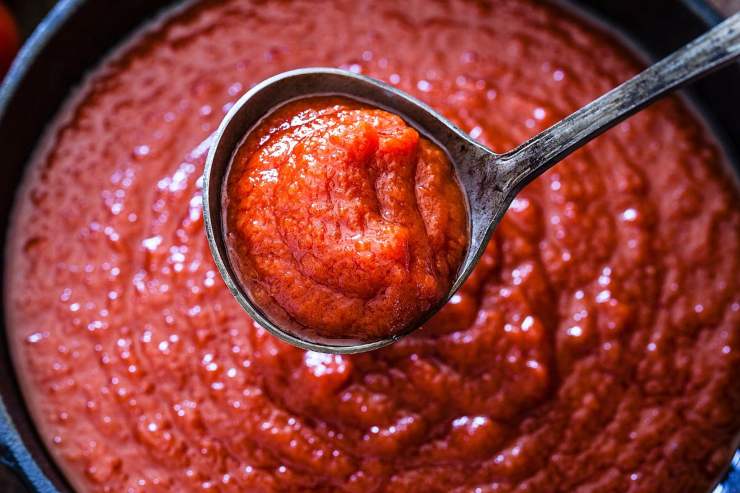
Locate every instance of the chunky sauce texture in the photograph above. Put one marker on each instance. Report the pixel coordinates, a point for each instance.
(596, 348)
(343, 222)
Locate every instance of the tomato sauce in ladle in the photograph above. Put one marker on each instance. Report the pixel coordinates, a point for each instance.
(337, 222)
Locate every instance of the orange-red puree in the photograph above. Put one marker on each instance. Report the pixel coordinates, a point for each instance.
(596, 347)
(342, 220)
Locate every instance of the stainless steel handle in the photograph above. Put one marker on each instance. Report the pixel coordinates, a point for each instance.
(708, 52)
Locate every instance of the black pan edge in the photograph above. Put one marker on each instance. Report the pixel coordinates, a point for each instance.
(15, 454)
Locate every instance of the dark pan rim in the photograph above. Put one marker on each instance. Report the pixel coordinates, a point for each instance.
(16, 454)
(13, 451)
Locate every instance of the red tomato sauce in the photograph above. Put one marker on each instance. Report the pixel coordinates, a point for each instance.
(595, 348)
(343, 222)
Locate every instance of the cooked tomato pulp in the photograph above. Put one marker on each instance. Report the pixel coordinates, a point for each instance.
(595, 348)
(343, 221)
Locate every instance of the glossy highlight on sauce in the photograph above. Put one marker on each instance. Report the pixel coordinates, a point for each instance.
(343, 222)
(595, 348)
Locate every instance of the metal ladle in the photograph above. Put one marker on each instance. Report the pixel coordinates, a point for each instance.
(490, 181)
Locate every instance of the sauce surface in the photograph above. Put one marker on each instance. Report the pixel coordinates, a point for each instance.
(595, 348)
(343, 222)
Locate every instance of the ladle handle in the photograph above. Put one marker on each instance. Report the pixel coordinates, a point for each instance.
(708, 52)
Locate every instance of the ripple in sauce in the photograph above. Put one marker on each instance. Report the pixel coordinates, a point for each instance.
(343, 222)
(595, 347)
